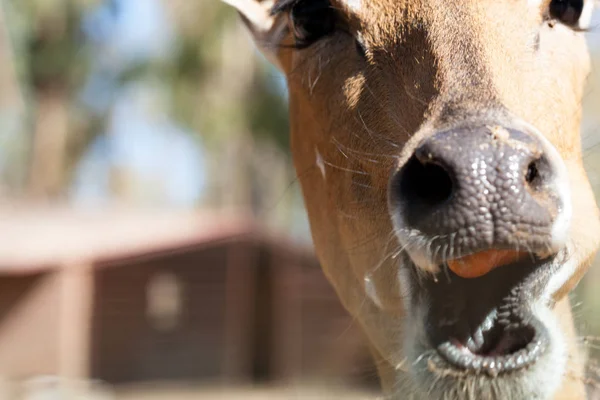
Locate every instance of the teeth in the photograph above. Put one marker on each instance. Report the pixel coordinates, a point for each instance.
(476, 342)
(478, 339)
(488, 324)
(473, 344)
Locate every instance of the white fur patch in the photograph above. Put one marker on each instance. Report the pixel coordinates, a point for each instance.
(256, 13)
(550, 370)
(565, 271)
(560, 230)
(371, 291)
(534, 3)
(321, 164)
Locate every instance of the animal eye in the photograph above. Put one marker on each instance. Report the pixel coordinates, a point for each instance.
(569, 12)
(311, 20)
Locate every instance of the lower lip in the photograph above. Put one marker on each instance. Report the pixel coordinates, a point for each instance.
(495, 362)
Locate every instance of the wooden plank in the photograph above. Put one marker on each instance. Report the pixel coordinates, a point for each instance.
(239, 312)
(287, 321)
(75, 316)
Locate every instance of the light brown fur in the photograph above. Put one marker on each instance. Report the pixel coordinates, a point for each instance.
(430, 64)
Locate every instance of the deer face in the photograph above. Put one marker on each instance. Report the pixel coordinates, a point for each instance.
(437, 145)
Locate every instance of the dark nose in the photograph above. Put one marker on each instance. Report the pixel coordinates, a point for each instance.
(479, 188)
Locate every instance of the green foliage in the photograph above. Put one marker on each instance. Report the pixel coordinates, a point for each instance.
(268, 113)
(214, 92)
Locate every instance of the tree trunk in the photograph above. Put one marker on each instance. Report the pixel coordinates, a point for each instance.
(47, 171)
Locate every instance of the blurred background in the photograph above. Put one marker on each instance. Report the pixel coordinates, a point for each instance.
(154, 241)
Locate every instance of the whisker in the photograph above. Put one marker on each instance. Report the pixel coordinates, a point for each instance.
(369, 239)
(447, 272)
(375, 137)
(389, 256)
(394, 118)
(422, 356)
(345, 169)
(363, 153)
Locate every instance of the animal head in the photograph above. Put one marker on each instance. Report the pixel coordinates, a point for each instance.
(438, 148)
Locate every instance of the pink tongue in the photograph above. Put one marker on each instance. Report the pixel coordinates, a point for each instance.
(482, 263)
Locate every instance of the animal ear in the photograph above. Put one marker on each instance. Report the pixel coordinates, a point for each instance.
(267, 30)
(585, 19)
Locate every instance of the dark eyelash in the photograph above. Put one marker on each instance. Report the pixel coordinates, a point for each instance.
(280, 7)
(285, 6)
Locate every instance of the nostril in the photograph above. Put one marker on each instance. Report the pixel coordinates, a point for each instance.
(532, 173)
(537, 173)
(426, 183)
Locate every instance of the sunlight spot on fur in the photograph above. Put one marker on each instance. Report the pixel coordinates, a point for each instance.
(354, 5)
(353, 88)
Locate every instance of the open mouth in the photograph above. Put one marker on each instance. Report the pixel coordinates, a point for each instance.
(486, 324)
(503, 343)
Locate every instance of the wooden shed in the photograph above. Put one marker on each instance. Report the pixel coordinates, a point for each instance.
(130, 297)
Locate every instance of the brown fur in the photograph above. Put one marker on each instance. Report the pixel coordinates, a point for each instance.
(430, 64)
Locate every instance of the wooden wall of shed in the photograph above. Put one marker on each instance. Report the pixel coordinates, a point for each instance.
(29, 306)
(315, 338)
(252, 313)
(126, 347)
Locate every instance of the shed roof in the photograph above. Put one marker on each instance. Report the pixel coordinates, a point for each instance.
(38, 238)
